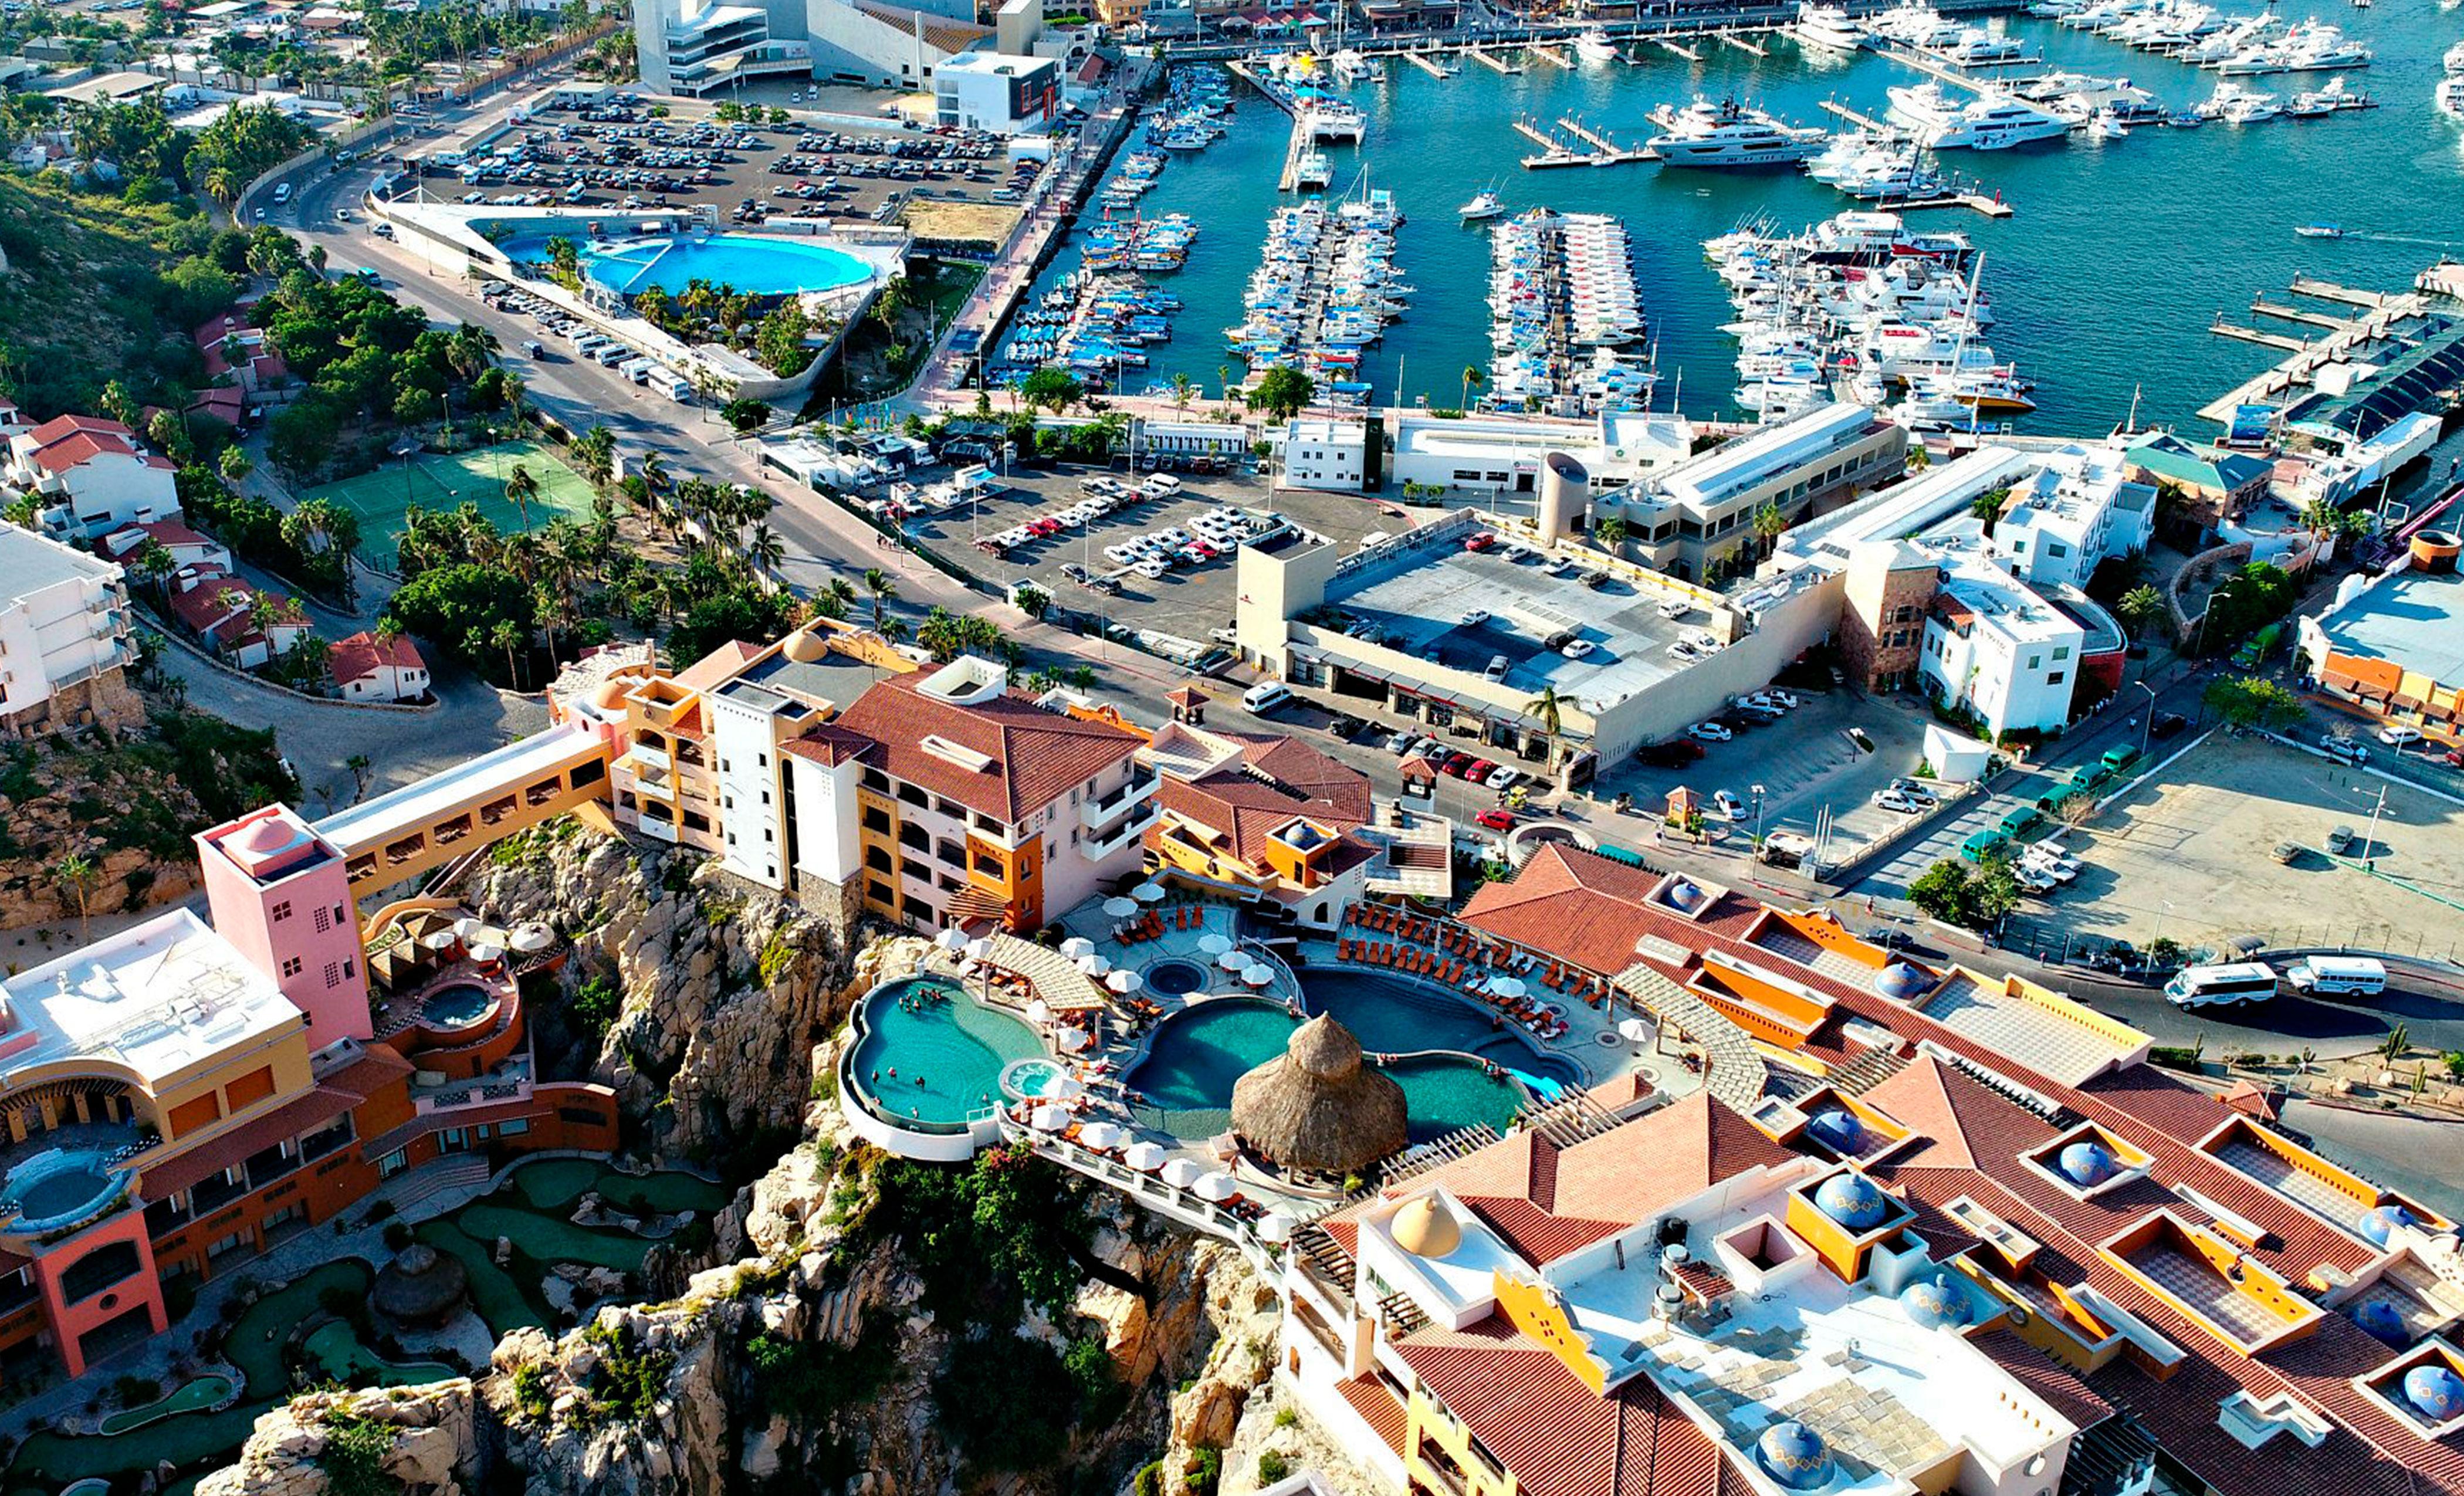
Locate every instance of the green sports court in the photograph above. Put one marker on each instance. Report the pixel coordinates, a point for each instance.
(446, 481)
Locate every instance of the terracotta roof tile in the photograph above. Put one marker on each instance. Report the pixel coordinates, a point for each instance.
(1274, 779)
(362, 653)
(1036, 756)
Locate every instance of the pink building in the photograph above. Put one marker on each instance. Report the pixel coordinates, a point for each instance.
(278, 893)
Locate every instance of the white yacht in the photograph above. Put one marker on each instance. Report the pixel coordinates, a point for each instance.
(1989, 122)
(1827, 25)
(1594, 46)
(1485, 204)
(2250, 108)
(1728, 134)
(1977, 47)
(2453, 61)
(1351, 67)
(1315, 169)
(2104, 126)
(2450, 96)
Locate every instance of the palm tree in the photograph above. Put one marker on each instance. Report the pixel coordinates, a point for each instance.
(1183, 391)
(521, 486)
(594, 451)
(77, 877)
(765, 550)
(1547, 708)
(507, 636)
(1471, 376)
(884, 590)
(1770, 522)
(359, 765)
(840, 592)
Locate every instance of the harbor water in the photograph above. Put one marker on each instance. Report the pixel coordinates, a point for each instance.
(2105, 280)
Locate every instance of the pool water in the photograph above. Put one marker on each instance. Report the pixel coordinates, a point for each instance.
(1175, 979)
(756, 265)
(1391, 1017)
(1032, 1080)
(937, 1059)
(454, 1006)
(62, 1188)
(1443, 1094)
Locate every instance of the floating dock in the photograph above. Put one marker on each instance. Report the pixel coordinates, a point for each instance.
(1425, 64)
(1866, 121)
(1555, 152)
(1588, 137)
(2224, 329)
(1679, 49)
(1302, 142)
(2260, 306)
(1745, 44)
(1547, 53)
(2363, 337)
(1490, 60)
(2329, 291)
(1539, 136)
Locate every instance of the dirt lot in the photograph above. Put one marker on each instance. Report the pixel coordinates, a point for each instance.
(2188, 855)
(932, 218)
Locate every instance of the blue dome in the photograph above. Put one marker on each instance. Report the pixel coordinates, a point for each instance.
(1838, 1129)
(2378, 1317)
(1793, 1455)
(2380, 1224)
(1937, 1302)
(1854, 1200)
(2086, 1164)
(1686, 895)
(1900, 981)
(2435, 1392)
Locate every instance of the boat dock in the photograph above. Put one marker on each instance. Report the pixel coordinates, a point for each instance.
(1422, 62)
(1488, 59)
(2329, 291)
(1677, 48)
(2360, 338)
(2260, 306)
(1744, 43)
(1274, 96)
(2224, 329)
(1547, 53)
(1973, 202)
(1865, 122)
(1555, 152)
(1588, 137)
(1302, 141)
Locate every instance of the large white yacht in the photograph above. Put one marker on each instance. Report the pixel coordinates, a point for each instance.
(1729, 134)
(1594, 46)
(1988, 121)
(1828, 27)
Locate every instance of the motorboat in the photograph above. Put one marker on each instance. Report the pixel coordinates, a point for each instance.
(1484, 204)
(1990, 120)
(2448, 95)
(1729, 134)
(1594, 46)
(2320, 231)
(2106, 128)
(1315, 169)
(1828, 27)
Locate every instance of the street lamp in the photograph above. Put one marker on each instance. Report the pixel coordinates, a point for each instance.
(1758, 816)
(2147, 728)
(2371, 838)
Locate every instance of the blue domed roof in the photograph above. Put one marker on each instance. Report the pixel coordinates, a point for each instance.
(1793, 1455)
(2435, 1392)
(1684, 894)
(2086, 1164)
(2380, 1224)
(1854, 1200)
(2378, 1317)
(1838, 1129)
(1937, 1302)
(1900, 981)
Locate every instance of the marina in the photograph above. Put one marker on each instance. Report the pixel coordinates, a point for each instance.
(1569, 319)
(1324, 290)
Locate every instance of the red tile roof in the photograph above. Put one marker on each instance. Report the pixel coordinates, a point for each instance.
(1036, 756)
(303, 1114)
(362, 653)
(1274, 779)
(1573, 904)
(830, 744)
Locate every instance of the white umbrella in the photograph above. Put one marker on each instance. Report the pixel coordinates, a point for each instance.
(980, 948)
(1048, 1119)
(467, 927)
(1093, 965)
(1259, 975)
(483, 952)
(1039, 1012)
(1214, 944)
(1101, 1134)
(1072, 1040)
(439, 940)
(1215, 1186)
(532, 938)
(1077, 946)
(1634, 1028)
(953, 938)
(1120, 908)
(1148, 894)
(1274, 1226)
(1507, 986)
(1144, 1157)
(1124, 981)
(1181, 1172)
(1064, 1088)
(1233, 960)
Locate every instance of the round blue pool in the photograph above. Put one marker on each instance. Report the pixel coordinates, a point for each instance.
(53, 1185)
(754, 264)
(1176, 978)
(456, 1005)
(931, 1053)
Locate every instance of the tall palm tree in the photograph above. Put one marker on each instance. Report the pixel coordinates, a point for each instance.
(1471, 376)
(765, 550)
(884, 590)
(1547, 708)
(508, 637)
(521, 486)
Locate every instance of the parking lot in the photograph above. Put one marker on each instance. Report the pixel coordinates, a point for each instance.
(2190, 855)
(1806, 761)
(617, 155)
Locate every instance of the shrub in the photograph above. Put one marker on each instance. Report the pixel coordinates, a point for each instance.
(1149, 1481)
(595, 1005)
(1205, 1472)
(397, 1236)
(530, 1390)
(354, 1456)
(1271, 1467)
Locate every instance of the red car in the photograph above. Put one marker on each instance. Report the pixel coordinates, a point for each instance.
(1479, 771)
(1457, 762)
(1480, 542)
(1496, 820)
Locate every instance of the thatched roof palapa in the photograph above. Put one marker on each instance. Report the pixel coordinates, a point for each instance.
(1315, 1105)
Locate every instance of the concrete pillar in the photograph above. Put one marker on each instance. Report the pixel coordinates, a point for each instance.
(1565, 495)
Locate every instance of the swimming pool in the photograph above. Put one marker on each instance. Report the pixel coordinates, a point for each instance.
(1393, 1017)
(935, 1060)
(1196, 1055)
(1176, 978)
(1032, 1080)
(756, 264)
(454, 1006)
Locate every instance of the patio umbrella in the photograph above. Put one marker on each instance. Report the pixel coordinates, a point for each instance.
(979, 948)
(467, 927)
(1144, 1157)
(1039, 1012)
(1274, 1227)
(1215, 1186)
(1507, 987)
(1233, 960)
(1148, 894)
(1072, 1041)
(953, 938)
(1124, 981)
(1214, 944)
(1093, 966)
(1181, 1172)
(532, 938)
(1064, 1088)
(1260, 975)
(1635, 1030)
(1048, 1119)
(484, 951)
(439, 940)
(1077, 946)
(1120, 908)
(1101, 1134)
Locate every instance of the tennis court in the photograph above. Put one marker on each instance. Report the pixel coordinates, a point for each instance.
(446, 480)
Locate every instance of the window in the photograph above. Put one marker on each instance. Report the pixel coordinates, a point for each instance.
(2063, 652)
(2056, 548)
(333, 974)
(324, 920)
(2033, 661)
(513, 1127)
(289, 967)
(2055, 679)
(282, 912)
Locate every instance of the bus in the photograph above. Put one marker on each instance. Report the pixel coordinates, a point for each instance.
(2337, 975)
(2221, 986)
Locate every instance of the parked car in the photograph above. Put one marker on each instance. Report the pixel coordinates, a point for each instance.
(1482, 542)
(1709, 733)
(1473, 618)
(1577, 649)
(1479, 771)
(1457, 762)
(1399, 743)
(1344, 726)
(1504, 777)
(2343, 750)
(1916, 790)
(2168, 723)
(1892, 800)
(1728, 805)
(2398, 737)
(1495, 820)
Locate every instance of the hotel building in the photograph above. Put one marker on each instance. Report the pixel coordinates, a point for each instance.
(1265, 815)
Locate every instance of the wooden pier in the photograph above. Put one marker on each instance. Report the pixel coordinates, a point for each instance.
(1422, 62)
(1835, 106)
(1549, 54)
(1302, 142)
(1541, 138)
(2260, 306)
(1488, 59)
(2362, 338)
(2224, 329)
(1677, 47)
(1745, 44)
(2329, 291)
(1555, 153)
(1588, 137)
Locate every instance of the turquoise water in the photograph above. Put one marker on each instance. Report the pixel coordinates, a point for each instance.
(1391, 1017)
(1197, 1054)
(756, 265)
(452, 1007)
(939, 1062)
(2104, 280)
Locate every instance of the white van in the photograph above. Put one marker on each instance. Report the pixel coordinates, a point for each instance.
(675, 388)
(282, 193)
(2357, 974)
(1265, 696)
(2227, 985)
(637, 369)
(611, 353)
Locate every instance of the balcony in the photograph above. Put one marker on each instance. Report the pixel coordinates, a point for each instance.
(1098, 812)
(1096, 848)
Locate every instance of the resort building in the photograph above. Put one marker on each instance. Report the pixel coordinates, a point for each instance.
(2395, 644)
(88, 476)
(1268, 815)
(684, 47)
(989, 91)
(180, 1096)
(366, 668)
(1993, 646)
(64, 638)
(2214, 487)
(1485, 452)
(2073, 509)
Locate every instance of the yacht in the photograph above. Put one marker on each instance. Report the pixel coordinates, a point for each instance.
(1484, 204)
(1728, 134)
(2235, 105)
(2450, 96)
(1594, 46)
(1827, 25)
(1989, 122)
(2453, 61)
(1315, 169)
(2104, 126)
(1976, 47)
(1350, 66)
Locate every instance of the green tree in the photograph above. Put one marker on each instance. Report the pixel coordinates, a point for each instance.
(594, 452)
(2249, 701)
(1282, 392)
(521, 486)
(746, 415)
(1770, 522)
(2140, 607)
(233, 464)
(78, 876)
(884, 591)
(1184, 389)
(1054, 389)
(1610, 532)
(1471, 376)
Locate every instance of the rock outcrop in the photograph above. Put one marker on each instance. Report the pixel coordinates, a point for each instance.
(429, 1443)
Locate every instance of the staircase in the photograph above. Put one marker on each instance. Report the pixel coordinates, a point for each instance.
(412, 1188)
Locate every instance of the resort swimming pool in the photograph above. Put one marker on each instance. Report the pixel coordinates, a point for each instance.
(936, 1057)
(454, 1006)
(1197, 1054)
(758, 265)
(1392, 1017)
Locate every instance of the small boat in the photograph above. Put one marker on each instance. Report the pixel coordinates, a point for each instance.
(2185, 120)
(2320, 231)
(1486, 204)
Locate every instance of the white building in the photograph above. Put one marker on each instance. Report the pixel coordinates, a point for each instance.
(1321, 453)
(64, 632)
(1700, 515)
(2069, 512)
(1991, 644)
(89, 475)
(991, 91)
(1481, 454)
(368, 669)
(697, 48)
